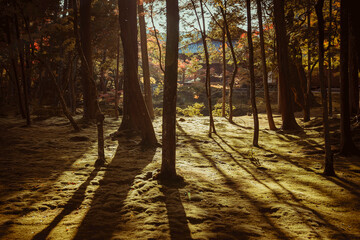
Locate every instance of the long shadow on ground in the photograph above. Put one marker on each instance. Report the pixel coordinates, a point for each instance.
(106, 211)
(179, 229)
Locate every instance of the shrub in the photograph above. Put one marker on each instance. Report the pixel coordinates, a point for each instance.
(218, 109)
(191, 110)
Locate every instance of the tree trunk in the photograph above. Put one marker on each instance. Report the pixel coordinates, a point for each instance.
(156, 37)
(264, 69)
(116, 103)
(231, 85)
(202, 27)
(353, 73)
(14, 71)
(168, 170)
(145, 59)
(102, 73)
(287, 114)
(89, 92)
(86, 61)
(347, 145)
(73, 86)
(308, 84)
(329, 166)
(223, 41)
(252, 76)
(329, 58)
(20, 47)
(137, 107)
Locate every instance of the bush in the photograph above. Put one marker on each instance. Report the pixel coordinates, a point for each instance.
(191, 110)
(217, 112)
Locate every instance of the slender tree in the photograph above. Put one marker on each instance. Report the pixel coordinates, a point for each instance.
(232, 81)
(87, 71)
(330, 58)
(202, 28)
(24, 77)
(252, 75)
(168, 170)
(347, 145)
(329, 168)
(136, 104)
(223, 45)
(264, 69)
(287, 113)
(145, 59)
(308, 84)
(156, 36)
(89, 92)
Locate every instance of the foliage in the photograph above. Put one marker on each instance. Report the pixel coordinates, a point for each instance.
(217, 112)
(191, 110)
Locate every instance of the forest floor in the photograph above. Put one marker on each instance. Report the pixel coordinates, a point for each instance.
(49, 188)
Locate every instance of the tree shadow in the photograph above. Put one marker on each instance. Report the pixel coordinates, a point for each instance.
(178, 224)
(100, 221)
(339, 232)
(236, 188)
(73, 204)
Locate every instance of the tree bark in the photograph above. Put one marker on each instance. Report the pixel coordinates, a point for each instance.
(116, 103)
(168, 169)
(329, 58)
(86, 61)
(232, 81)
(89, 92)
(264, 69)
(136, 104)
(347, 145)
(145, 59)
(287, 113)
(14, 71)
(223, 41)
(308, 84)
(207, 64)
(329, 166)
(252, 76)
(20, 48)
(353, 73)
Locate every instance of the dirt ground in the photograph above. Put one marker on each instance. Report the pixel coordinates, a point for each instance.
(49, 188)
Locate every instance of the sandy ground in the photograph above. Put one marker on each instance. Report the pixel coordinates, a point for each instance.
(49, 188)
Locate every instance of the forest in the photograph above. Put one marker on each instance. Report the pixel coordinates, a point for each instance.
(179, 119)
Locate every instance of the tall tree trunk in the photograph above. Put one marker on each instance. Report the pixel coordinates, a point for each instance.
(102, 73)
(145, 59)
(117, 76)
(223, 42)
(202, 28)
(353, 73)
(264, 69)
(287, 113)
(20, 47)
(329, 58)
(86, 61)
(156, 37)
(168, 169)
(252, 76)
(232, 81)
(73, 86)
(89, 92)
(329, 166)
(14, 71)
(347, 145)
(308, 84)
(137, 107)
